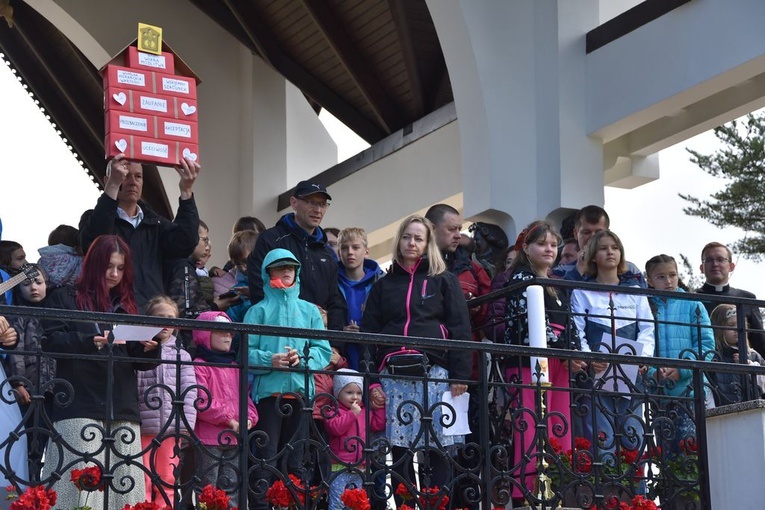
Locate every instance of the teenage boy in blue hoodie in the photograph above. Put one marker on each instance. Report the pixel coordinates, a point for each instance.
(355, 277)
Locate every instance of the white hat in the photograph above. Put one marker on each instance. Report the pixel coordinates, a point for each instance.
(344, 377)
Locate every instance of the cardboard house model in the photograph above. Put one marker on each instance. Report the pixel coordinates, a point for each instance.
(150, 105)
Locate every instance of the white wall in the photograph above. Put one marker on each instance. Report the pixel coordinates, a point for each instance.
(611, 8)
(311, 148)
(517, 70)
(409, 180)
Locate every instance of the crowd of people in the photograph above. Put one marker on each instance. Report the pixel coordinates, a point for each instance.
(179, 391)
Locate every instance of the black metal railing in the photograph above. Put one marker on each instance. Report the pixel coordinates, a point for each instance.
(587, 442)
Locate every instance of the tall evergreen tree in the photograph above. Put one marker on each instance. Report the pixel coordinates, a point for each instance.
(741, 202)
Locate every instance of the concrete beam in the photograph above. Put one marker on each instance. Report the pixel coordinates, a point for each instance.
(678, 75)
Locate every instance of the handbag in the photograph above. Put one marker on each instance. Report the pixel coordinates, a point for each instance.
(405, 362)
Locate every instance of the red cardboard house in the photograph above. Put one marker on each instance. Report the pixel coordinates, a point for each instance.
(150, 106)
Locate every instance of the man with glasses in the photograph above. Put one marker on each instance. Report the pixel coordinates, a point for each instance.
(717, 265)
(300, 233)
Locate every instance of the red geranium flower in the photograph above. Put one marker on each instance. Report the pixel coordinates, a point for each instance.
(146, 505)
(582, 462)
(581, 443)
(402, 491)
(299, 489)
(556, 446)
(639, 502)
(689, 446)
(87, 479)
(213, 498)
(356, 499)
(654, 452)
(628, 456)
(431, 496)
(35, 498)
(278, 495)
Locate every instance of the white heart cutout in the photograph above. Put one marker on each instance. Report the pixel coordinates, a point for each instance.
(121, 144)
(188, 109)
(190, 155)
(120, 98)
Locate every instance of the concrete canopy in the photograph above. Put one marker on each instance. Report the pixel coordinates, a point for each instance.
(540, 120)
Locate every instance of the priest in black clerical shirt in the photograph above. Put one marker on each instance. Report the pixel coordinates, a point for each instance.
(717, 264)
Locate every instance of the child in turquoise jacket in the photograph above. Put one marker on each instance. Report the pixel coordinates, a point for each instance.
(279, 395)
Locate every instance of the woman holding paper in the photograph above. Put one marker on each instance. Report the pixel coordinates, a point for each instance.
(538, 317)
(101, 389)
(609, 321)
(419, 298)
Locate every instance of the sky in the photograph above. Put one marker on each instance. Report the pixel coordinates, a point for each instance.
(45, 187)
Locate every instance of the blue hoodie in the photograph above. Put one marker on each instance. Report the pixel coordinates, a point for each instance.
(355, 294)
(283, 307)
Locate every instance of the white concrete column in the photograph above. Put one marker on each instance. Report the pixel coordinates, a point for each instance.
(518, 74)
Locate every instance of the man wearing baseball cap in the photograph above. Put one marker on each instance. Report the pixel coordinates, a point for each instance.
(300, 233)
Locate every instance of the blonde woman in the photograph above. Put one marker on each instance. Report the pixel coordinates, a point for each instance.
(418, 298)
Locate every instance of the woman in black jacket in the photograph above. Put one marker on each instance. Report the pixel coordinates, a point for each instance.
(419, 298)
(100, 415)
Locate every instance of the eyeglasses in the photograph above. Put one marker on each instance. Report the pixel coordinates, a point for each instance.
(205, 240)
(315, 205)
(713, 260)
(665, 277)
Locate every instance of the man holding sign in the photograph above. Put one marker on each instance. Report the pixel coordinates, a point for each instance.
(152, 238)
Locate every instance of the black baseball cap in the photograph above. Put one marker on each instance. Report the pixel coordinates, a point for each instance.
(305, 188)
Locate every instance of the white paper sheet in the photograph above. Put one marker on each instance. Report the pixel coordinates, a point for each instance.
(460, 427)
(129, 333)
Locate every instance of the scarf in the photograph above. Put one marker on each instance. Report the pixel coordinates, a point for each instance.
(215, 356)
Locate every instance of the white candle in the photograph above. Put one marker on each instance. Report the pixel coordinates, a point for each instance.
(535, 302)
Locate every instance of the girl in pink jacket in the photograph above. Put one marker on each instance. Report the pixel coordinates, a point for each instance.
(347, 433)
(218, 424)
(157, 389)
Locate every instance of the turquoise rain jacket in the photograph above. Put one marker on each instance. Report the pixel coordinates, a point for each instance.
(283, 307)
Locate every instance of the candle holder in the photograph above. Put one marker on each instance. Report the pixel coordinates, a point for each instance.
(542, 483)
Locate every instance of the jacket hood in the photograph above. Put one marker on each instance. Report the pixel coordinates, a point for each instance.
(272, 256)
(288, 220)
(372, 271)
(56, 249)
(459, 261)
(201, 336)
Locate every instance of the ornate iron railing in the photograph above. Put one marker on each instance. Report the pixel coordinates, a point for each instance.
(616, 436)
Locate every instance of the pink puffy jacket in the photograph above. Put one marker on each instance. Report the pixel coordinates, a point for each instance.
(223, 386)
(345, 425)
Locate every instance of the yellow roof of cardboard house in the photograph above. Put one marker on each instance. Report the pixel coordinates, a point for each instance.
(181, 67)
